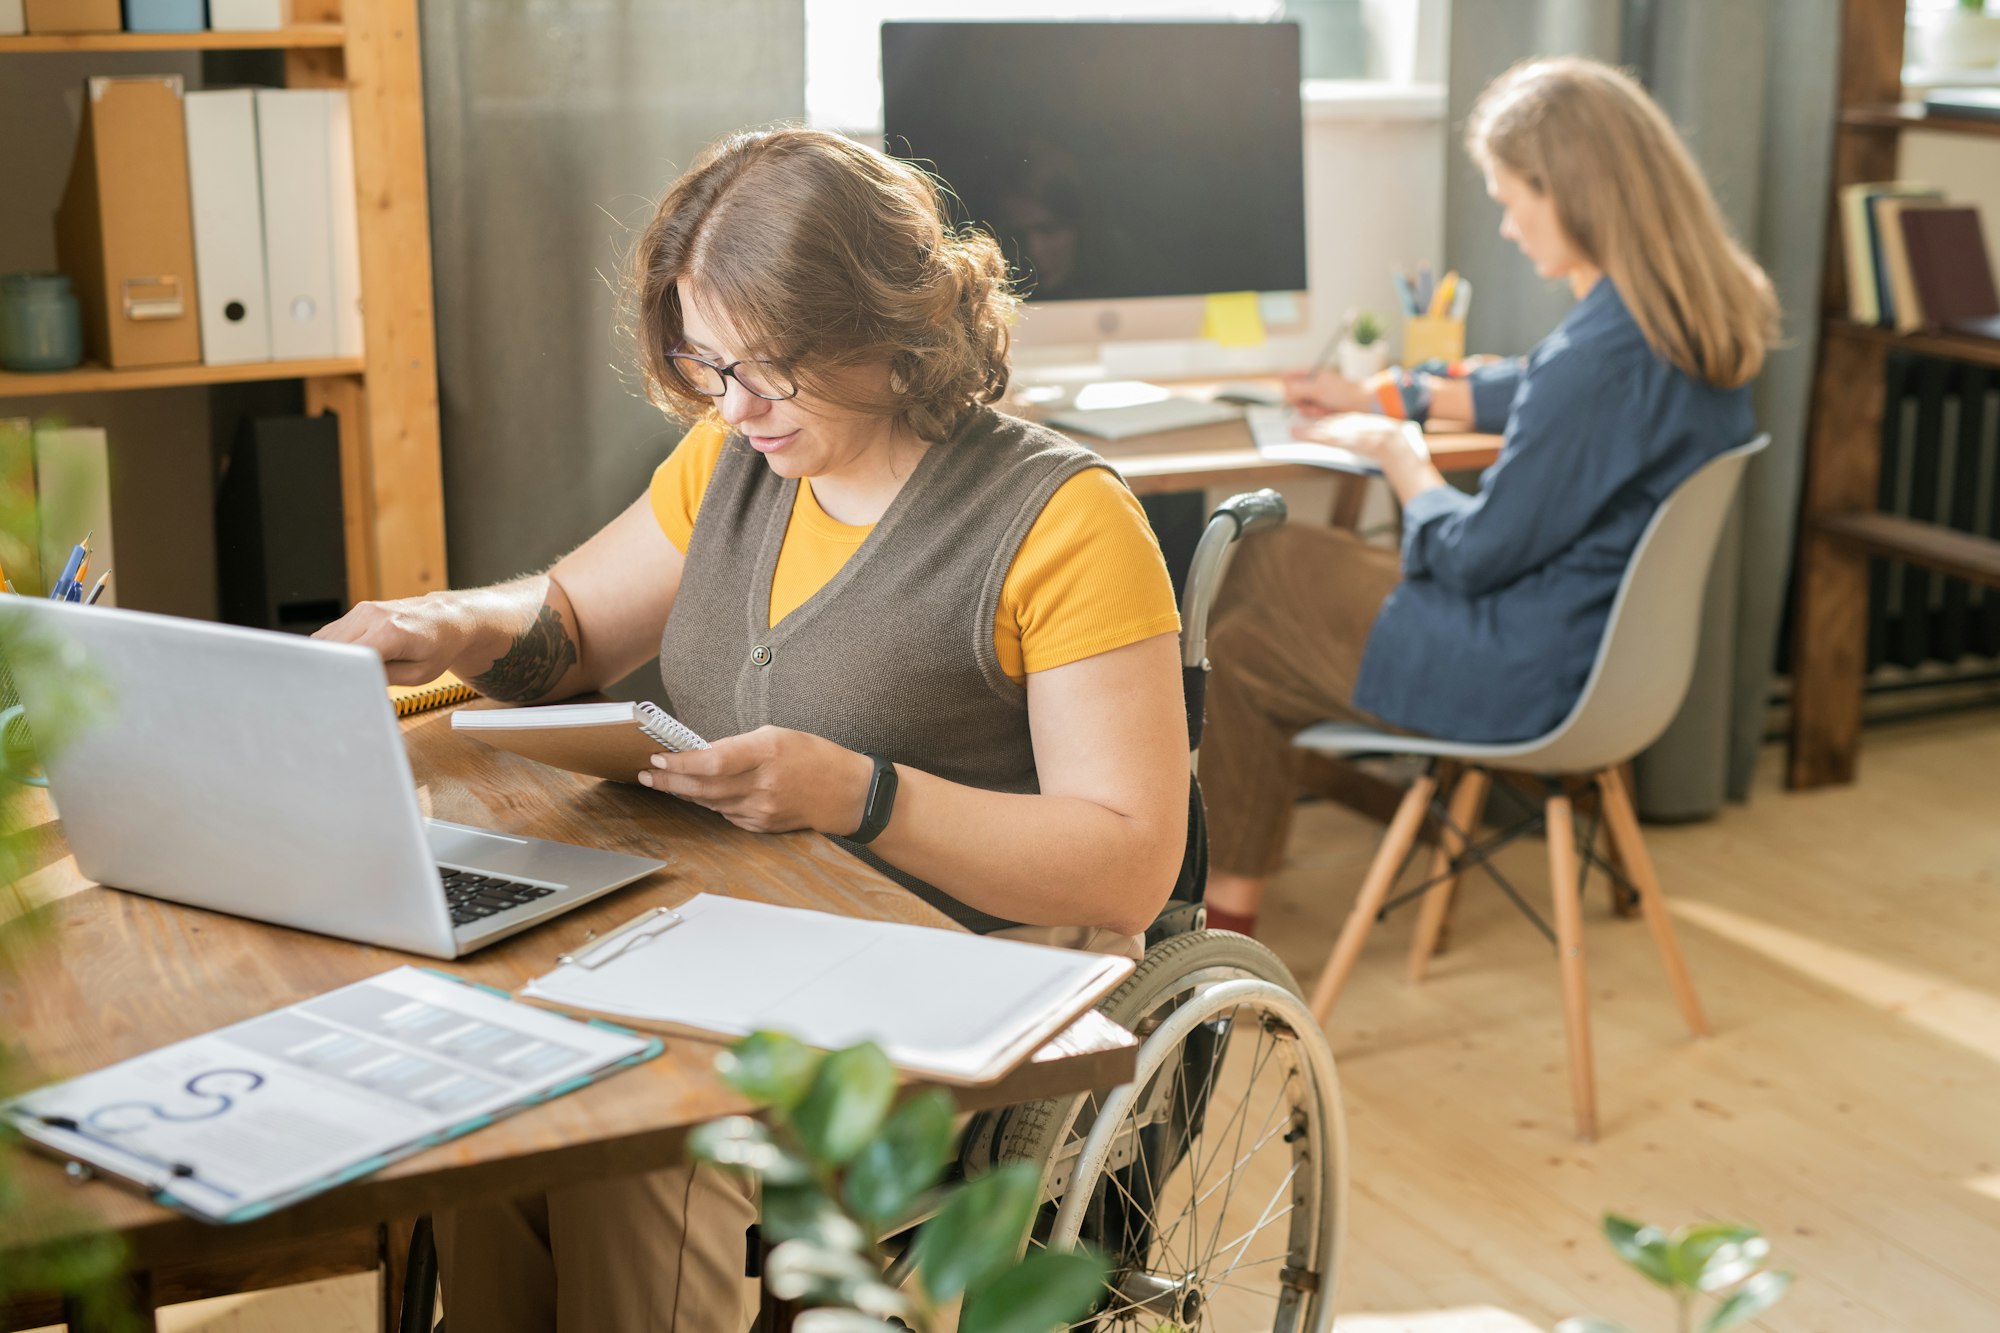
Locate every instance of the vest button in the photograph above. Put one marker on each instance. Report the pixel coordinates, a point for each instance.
(761, 655)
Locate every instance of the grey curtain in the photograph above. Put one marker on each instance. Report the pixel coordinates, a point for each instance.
(552, 127)
(1751, 86)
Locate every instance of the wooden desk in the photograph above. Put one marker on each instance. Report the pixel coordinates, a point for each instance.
(131, 973)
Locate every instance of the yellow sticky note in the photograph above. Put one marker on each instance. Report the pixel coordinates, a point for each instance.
(1233, 320)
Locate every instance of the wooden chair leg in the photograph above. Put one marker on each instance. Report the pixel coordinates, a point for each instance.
(1403, 830)
(1624, 823)
(1569, 952)
(1468, 802)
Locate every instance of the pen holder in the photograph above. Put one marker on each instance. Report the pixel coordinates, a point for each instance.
(1432, 338)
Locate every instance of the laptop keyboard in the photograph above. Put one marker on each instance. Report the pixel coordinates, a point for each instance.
(474, 897)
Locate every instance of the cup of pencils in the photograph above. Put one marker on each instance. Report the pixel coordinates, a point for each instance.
(1433, 316)
(70, 586)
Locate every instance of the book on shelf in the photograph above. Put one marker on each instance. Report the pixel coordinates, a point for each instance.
(1901, 309)
(1951, 271)
(1858, 243)
(1976, 103)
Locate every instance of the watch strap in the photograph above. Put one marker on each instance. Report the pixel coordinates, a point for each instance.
(881, 802)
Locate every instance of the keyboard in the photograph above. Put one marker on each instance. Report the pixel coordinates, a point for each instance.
(474, 897)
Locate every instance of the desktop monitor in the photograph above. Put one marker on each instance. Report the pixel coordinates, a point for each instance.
(1127, 169)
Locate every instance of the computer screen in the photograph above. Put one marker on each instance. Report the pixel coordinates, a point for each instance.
(1112, 160)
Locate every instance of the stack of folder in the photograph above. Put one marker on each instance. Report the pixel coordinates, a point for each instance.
(213, 226)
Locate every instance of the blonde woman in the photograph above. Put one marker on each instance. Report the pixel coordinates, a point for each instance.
(940, 636)
(1484, 626)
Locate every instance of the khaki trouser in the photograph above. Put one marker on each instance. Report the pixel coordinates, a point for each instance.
(658, 1253)
(1285, 640)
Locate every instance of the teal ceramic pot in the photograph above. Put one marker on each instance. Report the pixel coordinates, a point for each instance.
(41, 327)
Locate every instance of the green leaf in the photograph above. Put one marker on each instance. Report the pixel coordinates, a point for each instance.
(903, 1161)
(769, 1068)
(1644, 1247)
(1590, 1323)
(1748, 1301)
(801, 1270)
(804, 1212)
(979, 1231)
(1049, 1289)
(845, 1104)
(1714, 1255)
(743, 1144)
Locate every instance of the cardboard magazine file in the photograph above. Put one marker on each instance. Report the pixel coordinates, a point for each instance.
(73, 16)
(125, 231)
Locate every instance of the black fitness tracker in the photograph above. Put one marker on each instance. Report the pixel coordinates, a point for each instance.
(881, 802)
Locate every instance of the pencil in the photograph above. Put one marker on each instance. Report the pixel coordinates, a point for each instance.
(97, 589)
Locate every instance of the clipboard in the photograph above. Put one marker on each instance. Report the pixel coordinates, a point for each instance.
(160, 1179)
(719, 968)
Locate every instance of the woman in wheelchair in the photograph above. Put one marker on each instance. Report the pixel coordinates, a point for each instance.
(942, 637)
(1485, 628)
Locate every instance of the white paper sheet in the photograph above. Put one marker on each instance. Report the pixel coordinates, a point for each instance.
(937, 1001)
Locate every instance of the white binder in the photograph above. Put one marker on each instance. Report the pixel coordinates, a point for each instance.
(12, 21)
(346, 229)
(294, 142)
(228, 226)
(248, 15)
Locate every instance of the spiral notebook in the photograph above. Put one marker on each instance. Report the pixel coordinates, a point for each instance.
(614, 741)
(443, 692)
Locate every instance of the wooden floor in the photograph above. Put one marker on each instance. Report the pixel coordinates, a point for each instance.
(1847, 945)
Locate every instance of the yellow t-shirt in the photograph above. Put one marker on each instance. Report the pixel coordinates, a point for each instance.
(1088, 577)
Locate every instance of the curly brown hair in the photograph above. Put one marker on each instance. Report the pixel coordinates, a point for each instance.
(826, 255)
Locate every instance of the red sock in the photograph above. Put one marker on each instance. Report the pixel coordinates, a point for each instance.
(1243, 923)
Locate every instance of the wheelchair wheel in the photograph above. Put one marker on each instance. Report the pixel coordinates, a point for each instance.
(1215, 1181)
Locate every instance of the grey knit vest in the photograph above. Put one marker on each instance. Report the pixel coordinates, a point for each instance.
(894, 656)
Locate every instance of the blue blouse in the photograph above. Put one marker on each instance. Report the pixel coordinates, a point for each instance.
(1505, 592)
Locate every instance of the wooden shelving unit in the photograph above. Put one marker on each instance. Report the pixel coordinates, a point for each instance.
(93, 378)
(297, 35)
(386, 401)
(1840, 529)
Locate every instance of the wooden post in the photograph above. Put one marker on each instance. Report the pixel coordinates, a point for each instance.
(1843, 454)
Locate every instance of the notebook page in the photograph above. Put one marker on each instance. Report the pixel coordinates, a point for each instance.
(974, 1000)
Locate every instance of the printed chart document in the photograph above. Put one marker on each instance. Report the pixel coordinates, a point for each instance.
(723, 967)
(235, 1123)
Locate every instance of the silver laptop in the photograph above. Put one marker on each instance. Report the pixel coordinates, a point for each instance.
(263, 774)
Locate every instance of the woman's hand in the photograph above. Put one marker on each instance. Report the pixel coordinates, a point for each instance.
(771, 780)
(1397, 447)
(418, 637)
(1324, 393)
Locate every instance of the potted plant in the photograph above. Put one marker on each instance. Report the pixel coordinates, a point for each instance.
(1963, 36)
(841, 1165)
(1363, 352)
(1719, 1260)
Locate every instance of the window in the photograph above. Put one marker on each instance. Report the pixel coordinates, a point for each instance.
(1396, 40)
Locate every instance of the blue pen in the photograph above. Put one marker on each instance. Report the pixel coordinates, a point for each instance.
(1405, 292)
(60, 592)
(1424, 288)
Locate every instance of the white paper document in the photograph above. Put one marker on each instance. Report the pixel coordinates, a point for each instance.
(238, 1121)
(1271, 428)
(960, 1007)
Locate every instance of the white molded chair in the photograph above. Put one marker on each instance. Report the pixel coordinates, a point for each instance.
(1635, 687)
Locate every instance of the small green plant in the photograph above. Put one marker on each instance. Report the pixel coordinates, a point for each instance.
(841, 1165)
(1973, 6)
(1366, 330)
(1720, 1260)
(54, 1251)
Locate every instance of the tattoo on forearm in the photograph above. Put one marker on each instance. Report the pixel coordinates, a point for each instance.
(530, 668)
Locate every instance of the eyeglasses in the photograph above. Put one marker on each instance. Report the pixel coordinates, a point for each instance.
(761, 379)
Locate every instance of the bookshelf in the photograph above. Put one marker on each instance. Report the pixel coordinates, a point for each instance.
(386, 400)
(1840, 528)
